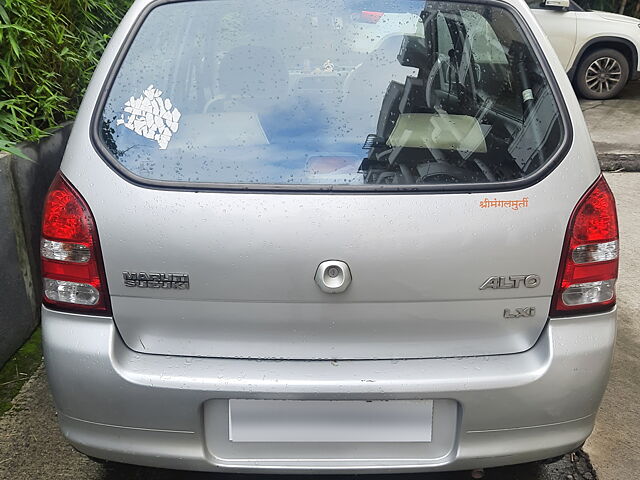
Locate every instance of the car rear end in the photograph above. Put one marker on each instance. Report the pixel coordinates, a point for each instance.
(271, 248)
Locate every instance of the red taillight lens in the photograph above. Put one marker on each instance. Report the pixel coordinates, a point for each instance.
(589, 266)
(72, 271)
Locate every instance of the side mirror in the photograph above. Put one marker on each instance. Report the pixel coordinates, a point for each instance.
(557, 4)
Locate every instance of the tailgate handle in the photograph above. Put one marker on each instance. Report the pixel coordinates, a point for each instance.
(333, 276)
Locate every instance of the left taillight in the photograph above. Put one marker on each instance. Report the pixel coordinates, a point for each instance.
(72, 270)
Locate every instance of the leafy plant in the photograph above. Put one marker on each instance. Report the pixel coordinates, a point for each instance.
(48, 51)
(19, 368)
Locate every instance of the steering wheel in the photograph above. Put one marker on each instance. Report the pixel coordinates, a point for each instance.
(216, 103)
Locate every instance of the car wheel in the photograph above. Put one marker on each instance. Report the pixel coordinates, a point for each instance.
(602, 74)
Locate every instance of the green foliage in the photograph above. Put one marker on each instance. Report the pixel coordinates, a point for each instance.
(19, 368)
(48, 51)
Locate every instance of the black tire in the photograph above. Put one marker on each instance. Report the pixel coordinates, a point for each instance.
(549, 461)
(101, 461)
(602, 74)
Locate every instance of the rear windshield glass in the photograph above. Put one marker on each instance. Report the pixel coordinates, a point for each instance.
(338, 92)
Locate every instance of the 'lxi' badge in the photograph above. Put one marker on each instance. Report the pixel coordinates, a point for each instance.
(520, 312)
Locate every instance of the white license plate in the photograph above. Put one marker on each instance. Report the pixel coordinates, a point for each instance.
(330, 421)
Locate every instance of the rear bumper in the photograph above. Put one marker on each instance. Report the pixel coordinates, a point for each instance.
(170, 411)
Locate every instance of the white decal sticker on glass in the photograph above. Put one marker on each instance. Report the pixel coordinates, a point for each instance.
(151, 116)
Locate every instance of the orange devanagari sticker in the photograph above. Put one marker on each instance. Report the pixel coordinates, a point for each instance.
(512, 204)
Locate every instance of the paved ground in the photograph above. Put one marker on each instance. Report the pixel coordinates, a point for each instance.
(615, 128)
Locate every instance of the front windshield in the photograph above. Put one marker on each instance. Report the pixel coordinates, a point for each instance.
(347, 92)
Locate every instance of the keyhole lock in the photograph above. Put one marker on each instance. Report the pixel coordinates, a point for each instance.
(333, 276)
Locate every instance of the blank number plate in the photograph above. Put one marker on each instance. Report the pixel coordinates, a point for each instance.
(330, 421)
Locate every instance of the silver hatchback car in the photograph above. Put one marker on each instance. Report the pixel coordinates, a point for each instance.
(341, 236)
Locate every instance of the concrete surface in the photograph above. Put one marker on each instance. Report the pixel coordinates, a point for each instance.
(615, 128)
(19, 310)
(614, 446)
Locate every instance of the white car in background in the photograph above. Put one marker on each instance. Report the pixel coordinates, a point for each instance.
(599, 50)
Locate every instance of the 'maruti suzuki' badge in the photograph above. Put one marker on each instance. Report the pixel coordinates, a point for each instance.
(179, 281)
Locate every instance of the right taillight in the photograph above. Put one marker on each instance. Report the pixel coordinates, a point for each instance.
(589, 263)
(72, 272)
